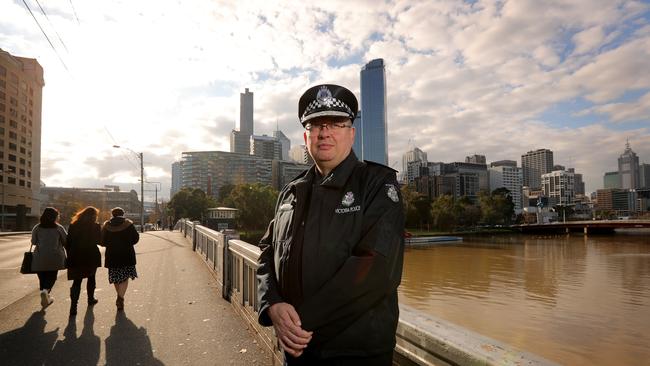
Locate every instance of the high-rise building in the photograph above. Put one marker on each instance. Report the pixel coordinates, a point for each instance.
(611, 180)
(284, 141)
(534, 164)
(266, 147)
(621, 201)
(176, 178)
(246, 112)
(357, 146)
(479, 169)
(373, 106)
(300, 155)
(411, 170)
(435, 168)
(558, 186)
(283, 172)
(644, 176)
(21, 87)
(628, 168)
(240, 139)
(211, 170)
(470, 178)
(475, 159)
(578, 182)
(509, 177)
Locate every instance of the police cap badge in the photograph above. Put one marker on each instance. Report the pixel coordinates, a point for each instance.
(327, 100)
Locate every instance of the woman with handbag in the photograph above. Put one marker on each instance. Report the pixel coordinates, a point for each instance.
(84, 235)
(48, 238)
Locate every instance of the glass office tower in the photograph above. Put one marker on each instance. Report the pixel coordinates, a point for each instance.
(372, 128)
(357, 147)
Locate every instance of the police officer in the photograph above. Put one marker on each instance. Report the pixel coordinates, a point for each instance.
(332, 256)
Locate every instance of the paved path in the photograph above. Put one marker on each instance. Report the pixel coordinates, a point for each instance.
(173, 316)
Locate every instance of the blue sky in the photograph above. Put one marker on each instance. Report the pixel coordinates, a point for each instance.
(497, 78)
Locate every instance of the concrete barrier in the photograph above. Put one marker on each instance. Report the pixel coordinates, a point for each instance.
(421, 339)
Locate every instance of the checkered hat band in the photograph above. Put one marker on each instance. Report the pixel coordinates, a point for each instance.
(324, 113)
(333, 103)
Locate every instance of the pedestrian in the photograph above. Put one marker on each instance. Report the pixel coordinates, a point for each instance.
(119, 236)
(48, 238)
(84, 236)
(332, 256)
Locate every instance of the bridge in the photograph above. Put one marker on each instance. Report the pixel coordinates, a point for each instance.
(587, 227)
(194, 302)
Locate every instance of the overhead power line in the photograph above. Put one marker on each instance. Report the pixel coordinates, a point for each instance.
(52, 25)
(46, 37)
(125, 154)
(74, 12)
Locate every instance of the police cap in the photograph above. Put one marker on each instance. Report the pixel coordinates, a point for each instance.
(327, 100)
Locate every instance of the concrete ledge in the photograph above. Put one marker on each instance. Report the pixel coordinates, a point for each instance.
(8, 233)
(426, 340)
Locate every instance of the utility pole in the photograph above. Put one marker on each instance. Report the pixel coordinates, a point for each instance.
(139, 155)
(141, 194)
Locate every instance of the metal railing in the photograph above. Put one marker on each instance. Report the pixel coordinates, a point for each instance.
(421, 339)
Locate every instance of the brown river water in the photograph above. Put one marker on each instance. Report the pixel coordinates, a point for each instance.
(574, 300)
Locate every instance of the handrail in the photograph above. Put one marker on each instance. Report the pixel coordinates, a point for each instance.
(421, 339)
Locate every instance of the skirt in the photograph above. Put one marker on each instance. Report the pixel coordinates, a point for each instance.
(121, 274)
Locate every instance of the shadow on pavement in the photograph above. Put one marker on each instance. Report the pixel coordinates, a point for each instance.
(83, 350)
(128, 344)
(28, 345)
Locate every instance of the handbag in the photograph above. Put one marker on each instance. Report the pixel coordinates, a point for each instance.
(26, 266)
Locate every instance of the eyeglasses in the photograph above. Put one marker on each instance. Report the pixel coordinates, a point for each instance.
(326, 126)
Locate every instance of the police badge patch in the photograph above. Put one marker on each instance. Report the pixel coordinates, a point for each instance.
(348, 199)
(391, 192)
(324, 96)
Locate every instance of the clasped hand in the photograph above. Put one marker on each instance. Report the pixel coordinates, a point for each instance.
(288, 328)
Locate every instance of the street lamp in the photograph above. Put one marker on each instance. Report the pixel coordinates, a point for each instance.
(139, 155)
(2, 226)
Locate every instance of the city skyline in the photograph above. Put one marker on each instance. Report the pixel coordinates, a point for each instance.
(490, 78)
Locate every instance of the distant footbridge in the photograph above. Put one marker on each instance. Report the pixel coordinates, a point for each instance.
(587, 227)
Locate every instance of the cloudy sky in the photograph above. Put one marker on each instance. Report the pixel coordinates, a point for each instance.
(497, 78)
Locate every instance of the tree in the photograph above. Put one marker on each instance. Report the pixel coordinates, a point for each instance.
(423, 211)
(468, 214)
(256, 205)
(444, 212)
(505, 205)
(489, 214)
(190, 203)
(410, 210)
(224, 192)
(496, 207)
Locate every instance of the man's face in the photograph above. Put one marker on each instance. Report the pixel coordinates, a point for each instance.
(329, 141)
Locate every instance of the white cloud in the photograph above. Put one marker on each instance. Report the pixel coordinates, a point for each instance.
(638, 110)
(588, 39)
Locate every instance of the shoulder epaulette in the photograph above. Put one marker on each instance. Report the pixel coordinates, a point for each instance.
(378, 164)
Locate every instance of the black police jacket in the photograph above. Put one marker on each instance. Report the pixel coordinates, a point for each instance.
(352, 257)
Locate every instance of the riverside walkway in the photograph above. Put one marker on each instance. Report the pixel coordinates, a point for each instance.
(174, 314)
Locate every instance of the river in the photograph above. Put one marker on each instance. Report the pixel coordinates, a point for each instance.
(575, 300)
